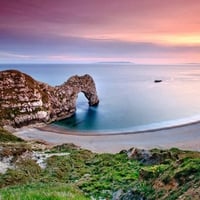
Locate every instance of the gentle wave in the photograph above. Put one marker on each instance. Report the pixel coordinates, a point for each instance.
(151, 127)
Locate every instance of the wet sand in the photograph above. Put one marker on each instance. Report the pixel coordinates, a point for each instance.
(185, 137)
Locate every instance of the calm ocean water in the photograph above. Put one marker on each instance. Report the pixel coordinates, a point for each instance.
(129, 98)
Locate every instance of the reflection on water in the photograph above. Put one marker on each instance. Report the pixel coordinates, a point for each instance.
(91, 116)
(82, 119)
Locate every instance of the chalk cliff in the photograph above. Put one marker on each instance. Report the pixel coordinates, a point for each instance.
(24, 100)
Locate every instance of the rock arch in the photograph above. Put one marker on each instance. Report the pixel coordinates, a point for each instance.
(24, 100)
(86, 85)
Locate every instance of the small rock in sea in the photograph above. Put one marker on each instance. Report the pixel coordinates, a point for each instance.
(157, 81)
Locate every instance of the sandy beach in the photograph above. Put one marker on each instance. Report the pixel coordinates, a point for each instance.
(185, 137)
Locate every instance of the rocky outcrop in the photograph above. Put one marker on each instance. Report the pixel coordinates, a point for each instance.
(24, 100)
(151, 157)
(129, 195)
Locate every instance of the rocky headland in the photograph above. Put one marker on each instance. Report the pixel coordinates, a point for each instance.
(24, 100)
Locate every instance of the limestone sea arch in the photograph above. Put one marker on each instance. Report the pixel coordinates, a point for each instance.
(24, 100)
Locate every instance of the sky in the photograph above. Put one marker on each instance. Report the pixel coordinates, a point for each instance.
(85, 31)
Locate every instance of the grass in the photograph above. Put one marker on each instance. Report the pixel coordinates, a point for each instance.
(6, 136)
(82, 174)
(54, 191)
(107, 173)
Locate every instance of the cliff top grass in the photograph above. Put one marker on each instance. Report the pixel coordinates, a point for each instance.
(40, 191)
(82, 174)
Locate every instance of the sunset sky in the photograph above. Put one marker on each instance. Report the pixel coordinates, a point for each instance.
(76, 31)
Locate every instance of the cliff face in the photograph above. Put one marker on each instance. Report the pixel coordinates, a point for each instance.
(24, 100)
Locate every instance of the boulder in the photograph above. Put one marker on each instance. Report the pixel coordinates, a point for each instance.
(128, 195)
(150, 157)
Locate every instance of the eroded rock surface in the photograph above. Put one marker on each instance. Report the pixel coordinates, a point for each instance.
(24, 100)
(151, 157)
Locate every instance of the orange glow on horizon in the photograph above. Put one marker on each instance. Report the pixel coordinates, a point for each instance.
(170, 39)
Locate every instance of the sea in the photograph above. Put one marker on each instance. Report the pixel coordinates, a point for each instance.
(130, 100)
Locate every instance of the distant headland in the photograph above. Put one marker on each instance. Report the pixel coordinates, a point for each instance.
(116, 62)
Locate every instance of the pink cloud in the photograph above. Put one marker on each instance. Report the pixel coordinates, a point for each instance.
(45, 26)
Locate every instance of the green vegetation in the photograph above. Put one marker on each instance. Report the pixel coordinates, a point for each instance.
(55, 191)
(6, 136)
(82, 174)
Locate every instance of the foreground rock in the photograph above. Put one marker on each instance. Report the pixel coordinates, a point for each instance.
(24, 100)
(150, 157)
(129, 195)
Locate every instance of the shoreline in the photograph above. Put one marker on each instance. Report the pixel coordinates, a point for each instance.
(61, 130)
(186, 137)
